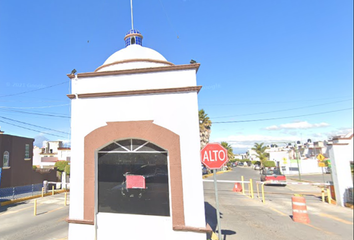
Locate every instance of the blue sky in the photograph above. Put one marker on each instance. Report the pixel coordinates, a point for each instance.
(271, 70)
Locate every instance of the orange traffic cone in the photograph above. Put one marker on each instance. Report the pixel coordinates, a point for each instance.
(299, 209)
(237, 187)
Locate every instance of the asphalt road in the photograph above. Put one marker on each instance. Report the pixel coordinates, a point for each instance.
(17, 221)
(242, 217)
(246, 218)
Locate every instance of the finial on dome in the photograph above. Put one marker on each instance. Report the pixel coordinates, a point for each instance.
(133, 37)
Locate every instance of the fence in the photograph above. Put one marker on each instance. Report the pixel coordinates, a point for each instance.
(7, 194)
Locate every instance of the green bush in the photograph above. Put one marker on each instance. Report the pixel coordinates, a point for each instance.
(256, 162)
(34, 167)
(60, 165)
(67, 169)
(268, 164)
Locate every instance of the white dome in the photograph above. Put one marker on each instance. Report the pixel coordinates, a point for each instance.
(133, 56)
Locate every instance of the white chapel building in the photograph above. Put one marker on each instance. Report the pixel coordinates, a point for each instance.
(135, 149)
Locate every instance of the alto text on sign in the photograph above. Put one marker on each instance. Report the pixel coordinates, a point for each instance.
(214, 156)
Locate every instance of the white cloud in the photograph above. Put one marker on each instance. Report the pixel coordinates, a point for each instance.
(241, 143)
(297, 125)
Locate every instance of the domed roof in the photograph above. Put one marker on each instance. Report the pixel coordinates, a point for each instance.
(133, 56)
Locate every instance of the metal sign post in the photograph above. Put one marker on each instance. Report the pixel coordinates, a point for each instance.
(217, 204)
(214, 156)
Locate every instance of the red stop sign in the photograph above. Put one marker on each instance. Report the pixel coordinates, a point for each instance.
(214, 156)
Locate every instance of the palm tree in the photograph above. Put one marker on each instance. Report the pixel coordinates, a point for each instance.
(204, 128)
(229, 149)
(260, 151)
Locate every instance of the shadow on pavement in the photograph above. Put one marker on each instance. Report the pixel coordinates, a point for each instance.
(6, 207)
(211, 219)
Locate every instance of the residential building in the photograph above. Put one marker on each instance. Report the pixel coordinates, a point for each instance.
(50, 153)
(16, 162)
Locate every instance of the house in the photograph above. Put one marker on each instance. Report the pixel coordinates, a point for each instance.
(341, 155)
(16, 162)
(50, 153)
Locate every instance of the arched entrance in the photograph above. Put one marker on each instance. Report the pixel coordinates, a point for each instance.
(133, 178)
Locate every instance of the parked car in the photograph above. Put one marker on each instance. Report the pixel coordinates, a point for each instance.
(256, 167)
(273, 176)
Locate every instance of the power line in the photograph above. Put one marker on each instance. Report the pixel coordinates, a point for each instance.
(35, 90)
(32, 129)
(267, 103)
(34, 125)
(50, 106)
(34, 113)
(267, 119)
(283, 110)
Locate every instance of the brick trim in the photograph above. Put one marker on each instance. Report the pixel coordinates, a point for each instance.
(77, 221)
(207, 229)
(133, 60)
(135, 92)
(137, 71)
(149, 131)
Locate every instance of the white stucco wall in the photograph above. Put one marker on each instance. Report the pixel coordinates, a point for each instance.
(341, 154)
(177, 112)
(141, 81)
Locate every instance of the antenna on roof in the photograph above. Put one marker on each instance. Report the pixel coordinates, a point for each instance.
(131, 13)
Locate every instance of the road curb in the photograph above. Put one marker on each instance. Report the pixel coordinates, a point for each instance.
(29, 198)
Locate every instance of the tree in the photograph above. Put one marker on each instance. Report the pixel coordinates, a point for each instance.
(60, 165)
(204, 128)
(260, 152)
(67, 170)
(229, 149)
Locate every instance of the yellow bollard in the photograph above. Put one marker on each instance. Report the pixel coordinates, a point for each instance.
(52, 190)
(65, 199)
(251, 184)
(35, 207)
(323, 194)
(263, 192)
(257, 190)
(42, 191)
(243, 185)
(329, 196)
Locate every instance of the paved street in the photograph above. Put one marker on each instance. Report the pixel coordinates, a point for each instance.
(246, 218)
(242, 217)
(17, 221)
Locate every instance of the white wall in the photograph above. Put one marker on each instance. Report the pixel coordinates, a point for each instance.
(36, 156)
(341, 154)
(290, 166)
(177, 112)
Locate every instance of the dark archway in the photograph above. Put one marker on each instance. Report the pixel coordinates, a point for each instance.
(133, 178)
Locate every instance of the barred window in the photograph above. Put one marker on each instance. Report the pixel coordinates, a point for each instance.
(27, 151)
(6, 159)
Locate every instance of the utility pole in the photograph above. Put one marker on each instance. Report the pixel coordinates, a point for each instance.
(297, 159)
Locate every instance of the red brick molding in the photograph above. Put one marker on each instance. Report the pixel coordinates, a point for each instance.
(77, 221)
(133, 60)
(137, 71)
(207, 229)
(136, 92)
(343, 138)
(146, 130)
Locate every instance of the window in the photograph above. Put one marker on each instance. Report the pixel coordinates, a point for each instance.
(27, 151)
(6, 159)
(133, 178)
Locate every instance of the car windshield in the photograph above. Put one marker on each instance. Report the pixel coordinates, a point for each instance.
(272, 172)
